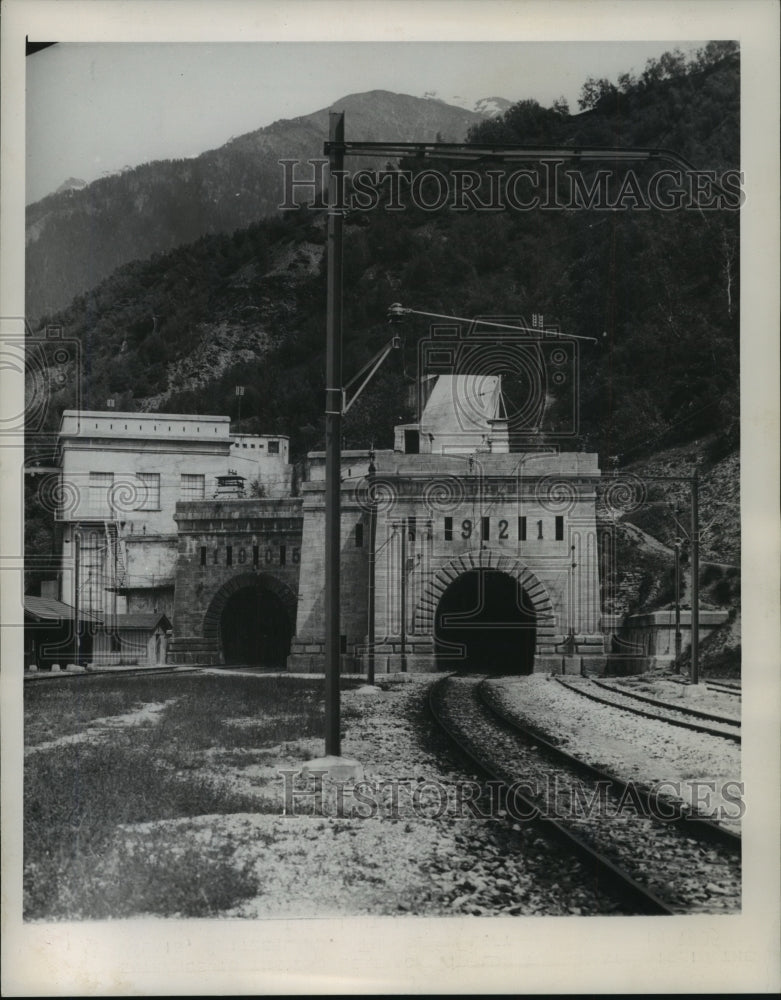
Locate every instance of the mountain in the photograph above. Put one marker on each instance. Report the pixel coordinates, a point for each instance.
(650, 287)
(71, 184)
(79, 235)
(492, 106)
(488, 106)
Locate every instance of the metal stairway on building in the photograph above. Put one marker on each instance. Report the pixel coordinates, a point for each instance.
(116, 568)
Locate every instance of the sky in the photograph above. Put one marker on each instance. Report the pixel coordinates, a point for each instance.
(95, 108)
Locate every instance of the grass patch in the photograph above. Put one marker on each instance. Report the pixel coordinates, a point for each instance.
(146, 874)
(62, 708)
(79, 861)
(242, 712)
(278, 704)
(76, 798)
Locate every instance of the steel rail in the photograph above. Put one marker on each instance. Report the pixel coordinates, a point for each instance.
(688, 820)
(696, 712)
(642, 899)
(47, 675)
(723, 688)
(682, 723)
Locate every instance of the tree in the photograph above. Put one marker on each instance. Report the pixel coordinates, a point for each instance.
(595, 93)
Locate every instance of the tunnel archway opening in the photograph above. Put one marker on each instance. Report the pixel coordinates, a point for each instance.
(255, 629)
(485, 622)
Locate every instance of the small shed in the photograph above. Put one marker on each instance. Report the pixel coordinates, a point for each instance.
(230, 487)
(50, 635)
(135, 639)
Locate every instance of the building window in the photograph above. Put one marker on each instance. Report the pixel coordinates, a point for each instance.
(521, 529)
(192, 486)
(203, 555)
(282, 555)
(149, 498)
(359, 536)
(559, 529)
(485, 528)
(100, 484)
(255, 555)
(273, 447)
(228, 555)
(448, 529)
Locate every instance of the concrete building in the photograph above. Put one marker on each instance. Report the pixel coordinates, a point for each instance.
(122, 475)
(455, 552)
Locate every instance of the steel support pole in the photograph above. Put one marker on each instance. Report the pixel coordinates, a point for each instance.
(333, 431)
(372, 564)
(76, 573)
(695, 672)
(677, 607)
(403, 589)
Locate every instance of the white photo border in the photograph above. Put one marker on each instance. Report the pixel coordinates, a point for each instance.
(419, 955)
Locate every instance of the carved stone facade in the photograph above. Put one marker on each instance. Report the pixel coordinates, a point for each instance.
(456, 560)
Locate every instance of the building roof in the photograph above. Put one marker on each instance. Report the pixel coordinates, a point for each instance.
(144, 620)
(49, 609)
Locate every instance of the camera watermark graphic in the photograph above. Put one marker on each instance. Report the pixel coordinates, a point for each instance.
(506, 377)
(46, 362)
(314, 793)
(547, 186)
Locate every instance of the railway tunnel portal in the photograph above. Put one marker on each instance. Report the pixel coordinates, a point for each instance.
(485, 622)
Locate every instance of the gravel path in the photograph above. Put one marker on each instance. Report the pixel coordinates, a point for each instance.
(100, 729)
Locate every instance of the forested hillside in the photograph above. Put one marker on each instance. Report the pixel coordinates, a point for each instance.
(73, 236)
(659, 291)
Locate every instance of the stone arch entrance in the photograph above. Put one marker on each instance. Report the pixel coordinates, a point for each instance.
(486, 611)
(485, 622)
(252, 617)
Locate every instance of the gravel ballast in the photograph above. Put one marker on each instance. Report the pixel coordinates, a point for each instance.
(633, 748)
(427, 855)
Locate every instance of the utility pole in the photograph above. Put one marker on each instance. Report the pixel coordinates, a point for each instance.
(333, 431)
(677, 604)
(372, 562)
(76, 621)
(403, 595)
(336, 148)
(695, 529)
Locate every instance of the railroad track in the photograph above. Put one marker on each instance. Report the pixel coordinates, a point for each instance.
(678, 865)
(718, 725)
(723, 688)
